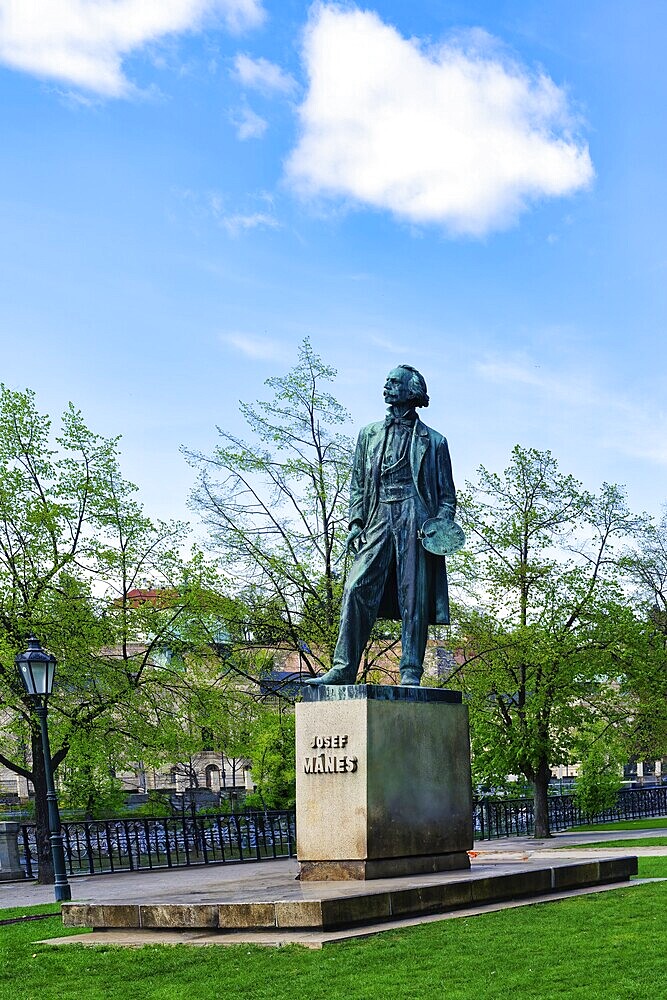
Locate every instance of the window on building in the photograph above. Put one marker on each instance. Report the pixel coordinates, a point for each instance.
(213, 777)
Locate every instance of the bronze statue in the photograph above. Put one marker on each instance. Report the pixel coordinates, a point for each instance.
(402, 504)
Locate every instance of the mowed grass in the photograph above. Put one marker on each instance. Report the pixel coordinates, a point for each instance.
(659, 823)
(14, 912)
(590, 947)
(652, 867)
(629, 844)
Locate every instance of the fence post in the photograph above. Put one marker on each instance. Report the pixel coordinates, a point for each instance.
(10, 864)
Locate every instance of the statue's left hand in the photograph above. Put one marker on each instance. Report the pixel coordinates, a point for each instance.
(353, 539)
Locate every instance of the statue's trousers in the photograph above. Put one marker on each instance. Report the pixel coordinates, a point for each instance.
(391, 544)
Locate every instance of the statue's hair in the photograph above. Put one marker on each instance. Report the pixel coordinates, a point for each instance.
(418, 393)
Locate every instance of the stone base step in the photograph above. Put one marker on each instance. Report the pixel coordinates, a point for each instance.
(328, 906)
(310, 939)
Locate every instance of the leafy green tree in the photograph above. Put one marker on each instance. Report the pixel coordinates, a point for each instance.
(75, 551)
(543, 623)
(600, 770)
(276, 507)
(646, 682)
(88, 777)
(271, 749)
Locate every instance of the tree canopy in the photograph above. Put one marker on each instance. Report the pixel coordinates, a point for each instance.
(545, 629)
(276, 508)
(103, 588)
(645, 565)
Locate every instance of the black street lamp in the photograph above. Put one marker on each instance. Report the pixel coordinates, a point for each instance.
(37, 669)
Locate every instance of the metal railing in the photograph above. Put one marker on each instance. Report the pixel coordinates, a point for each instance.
(103, 846)
(494, 818)
(97, 847)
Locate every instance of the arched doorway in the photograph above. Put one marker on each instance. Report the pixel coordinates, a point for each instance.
(212, 774)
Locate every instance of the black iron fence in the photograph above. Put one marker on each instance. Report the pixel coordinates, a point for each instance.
(99, 846)
(516, 817)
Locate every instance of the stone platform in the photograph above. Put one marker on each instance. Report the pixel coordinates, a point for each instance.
(225, 906)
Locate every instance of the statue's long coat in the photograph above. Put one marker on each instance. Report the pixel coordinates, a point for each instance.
(432, 475)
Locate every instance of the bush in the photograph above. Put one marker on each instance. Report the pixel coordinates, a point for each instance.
(599, 780)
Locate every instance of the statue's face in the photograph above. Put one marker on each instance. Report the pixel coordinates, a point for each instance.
(397, 387)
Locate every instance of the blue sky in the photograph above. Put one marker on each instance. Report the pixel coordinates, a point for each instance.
(190, 187)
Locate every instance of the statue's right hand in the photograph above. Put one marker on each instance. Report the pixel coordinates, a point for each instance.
(352, 540)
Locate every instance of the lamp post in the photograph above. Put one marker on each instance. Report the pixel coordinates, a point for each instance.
(37, 669)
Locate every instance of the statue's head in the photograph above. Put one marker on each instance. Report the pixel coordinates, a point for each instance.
(405, 385)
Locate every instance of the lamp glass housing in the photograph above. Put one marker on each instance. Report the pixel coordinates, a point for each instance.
(36, 669)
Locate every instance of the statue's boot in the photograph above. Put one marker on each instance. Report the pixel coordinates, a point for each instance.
(337, 675)
(411, 678)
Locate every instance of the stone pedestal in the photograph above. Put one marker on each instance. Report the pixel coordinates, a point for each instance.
(10, 863)
(383, 782)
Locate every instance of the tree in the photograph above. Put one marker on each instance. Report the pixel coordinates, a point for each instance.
(271, 750)
(75, 551)
(276, 507)
(544, 627)
(599, 779)
(646, 681)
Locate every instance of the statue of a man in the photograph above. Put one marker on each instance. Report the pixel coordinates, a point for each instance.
(401, 478)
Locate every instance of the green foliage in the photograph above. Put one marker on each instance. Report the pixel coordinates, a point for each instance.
(272, 755)
(158, 805)
(75, 549)
(600, 776)
(98, 794)
(646, 681)
(542, 620)
(276, 508)
(501, 789)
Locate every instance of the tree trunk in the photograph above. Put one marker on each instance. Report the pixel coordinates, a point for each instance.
(541, 799)
(44, 860)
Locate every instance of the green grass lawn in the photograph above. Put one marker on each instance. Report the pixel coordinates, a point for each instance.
(629, 844)
(598, 947)
(652, 867)
(20, 911)
(628, 824)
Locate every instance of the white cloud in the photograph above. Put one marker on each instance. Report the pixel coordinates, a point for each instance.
(457, 135)
(249, 125)
(603, 416)
(262, 75)
(257, 348)
(390, 346)
(83, 42)
(256, 213)
(234, 224)
(527, 372)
